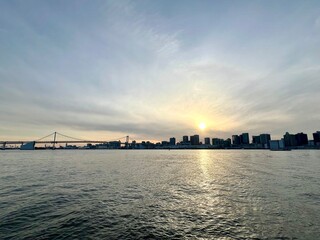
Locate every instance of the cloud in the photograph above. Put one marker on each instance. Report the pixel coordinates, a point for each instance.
(121, 67)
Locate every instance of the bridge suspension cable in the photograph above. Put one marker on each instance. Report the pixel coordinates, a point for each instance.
(44, 137)
(84, 140)
(78, 139)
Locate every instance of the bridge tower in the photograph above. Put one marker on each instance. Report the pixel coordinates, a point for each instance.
(127, 142)
(54, 140)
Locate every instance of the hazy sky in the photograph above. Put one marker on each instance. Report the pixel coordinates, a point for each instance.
(155, 69)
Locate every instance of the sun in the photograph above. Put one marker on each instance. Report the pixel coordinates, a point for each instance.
(202, 125)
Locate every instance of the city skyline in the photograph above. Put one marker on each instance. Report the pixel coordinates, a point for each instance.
(103, 69)
(260, 141)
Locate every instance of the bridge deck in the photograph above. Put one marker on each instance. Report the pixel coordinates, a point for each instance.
(56, 142)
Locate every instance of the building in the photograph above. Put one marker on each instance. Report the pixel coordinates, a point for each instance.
(28, 146)
(217, 141)
(114, 144)
(207, 141)
(301, 139)
(172, 141)
(235, 140)
(185, 139)
(265, 139)
(227, 142)
(256, 139)
(165, 143)
(195, 140)
(244, 138)
(316, 138)
(276, 144)
(289, 140)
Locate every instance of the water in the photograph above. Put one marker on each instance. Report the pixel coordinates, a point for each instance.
(160, 194)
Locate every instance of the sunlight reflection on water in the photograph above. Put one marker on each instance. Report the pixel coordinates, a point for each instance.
(159, 194)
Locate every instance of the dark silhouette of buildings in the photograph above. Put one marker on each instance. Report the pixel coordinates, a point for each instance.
(289, 140)
(262, 141)
(316, 138)
(265, 140)
(244, 138)
(235, 140)
(185, 139)
(294, 140)
(256, 140)
(301, 139)
(217, 141)
(195, 140)
(172, 141)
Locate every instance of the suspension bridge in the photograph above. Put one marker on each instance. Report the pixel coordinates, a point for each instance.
(56, 138)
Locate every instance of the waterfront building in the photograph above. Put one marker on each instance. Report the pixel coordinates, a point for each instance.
(227, 142)
(289, 140)
(235, 140)
(28, 146)
(301, 139)
(265, 139)
(172, 141)
(207, 141)
(281, 143)
(244, 138)
(311, 143)
(316, 138)
(217, 141)
(185, 139)
(195, 140)
(165, 143)
(276, 144)
(115, 144)
(256, 139)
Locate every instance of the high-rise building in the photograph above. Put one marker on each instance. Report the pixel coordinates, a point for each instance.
(235, 140)
(195, 140)
(316, 137)
(289, 140)
(185, 139)
(207, 141)
(302, 139)
(217, 141)
(172, 141)
(227, 142)
(265, 139)
(244, 138)
(256, 139)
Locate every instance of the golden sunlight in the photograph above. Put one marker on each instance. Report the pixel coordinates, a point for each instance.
(202, 125)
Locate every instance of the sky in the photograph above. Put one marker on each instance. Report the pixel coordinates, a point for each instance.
(157, 69)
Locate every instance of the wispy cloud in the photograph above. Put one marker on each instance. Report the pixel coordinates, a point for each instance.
(155, 69)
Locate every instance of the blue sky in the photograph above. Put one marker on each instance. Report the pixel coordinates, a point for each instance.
(156, 69)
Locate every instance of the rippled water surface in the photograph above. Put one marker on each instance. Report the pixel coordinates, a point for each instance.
(196, 194)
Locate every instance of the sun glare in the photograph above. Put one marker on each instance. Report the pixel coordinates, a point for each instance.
(202, 125)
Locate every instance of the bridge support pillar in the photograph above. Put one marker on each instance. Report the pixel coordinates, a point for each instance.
(54, 140)
(127, 142)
